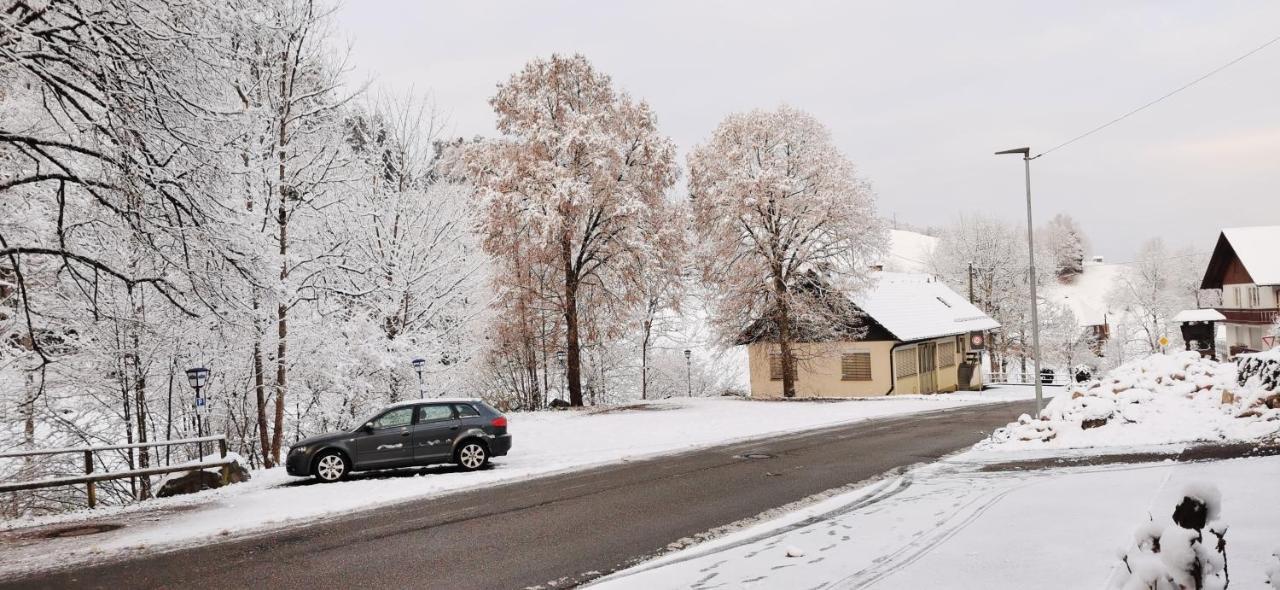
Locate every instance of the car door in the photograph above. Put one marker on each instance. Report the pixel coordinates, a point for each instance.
(388, 442)
(434, 432)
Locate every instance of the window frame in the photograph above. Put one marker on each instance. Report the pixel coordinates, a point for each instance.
(457, 411)
(778, 356)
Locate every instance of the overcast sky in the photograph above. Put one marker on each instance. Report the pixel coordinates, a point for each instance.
(917, 94)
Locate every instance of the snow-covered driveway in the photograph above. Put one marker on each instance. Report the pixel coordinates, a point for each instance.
(1054, 528)
(545, 443)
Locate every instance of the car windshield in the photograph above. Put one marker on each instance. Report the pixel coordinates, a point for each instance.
(368, 418)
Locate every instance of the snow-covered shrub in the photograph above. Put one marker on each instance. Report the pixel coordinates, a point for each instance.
(1261, 370)
(1176, 553)
(1180, 397)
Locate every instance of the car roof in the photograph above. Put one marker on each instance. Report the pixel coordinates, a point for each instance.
(436, 400)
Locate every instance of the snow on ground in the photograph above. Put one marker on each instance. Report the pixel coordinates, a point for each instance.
(951, 525)
(544, 443)
(1087, 293)
(1174, 398)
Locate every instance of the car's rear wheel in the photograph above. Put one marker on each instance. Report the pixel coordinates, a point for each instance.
(331, 466)
(472, 455)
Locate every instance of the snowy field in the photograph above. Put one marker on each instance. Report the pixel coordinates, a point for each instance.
(544, 443)
(1047, 529)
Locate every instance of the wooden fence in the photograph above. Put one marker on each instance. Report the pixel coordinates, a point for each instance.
(90, 479)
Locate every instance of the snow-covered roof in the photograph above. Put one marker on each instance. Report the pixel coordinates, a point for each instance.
(1256, 247)
(1086, 294)
(1199, 315)
(916, 306)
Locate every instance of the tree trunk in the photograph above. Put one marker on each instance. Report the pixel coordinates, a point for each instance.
(644, 359)
(572, 359)
(259, 388)
(784, 338)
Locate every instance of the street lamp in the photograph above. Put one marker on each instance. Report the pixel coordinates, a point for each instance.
(564, 372)
(1031, 252)
(198, 377)
(688, 372)
(418, 363)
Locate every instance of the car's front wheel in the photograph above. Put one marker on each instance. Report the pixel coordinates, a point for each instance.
(472, 455)
(331, 466)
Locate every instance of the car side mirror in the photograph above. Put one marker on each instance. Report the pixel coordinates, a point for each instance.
(367, 429)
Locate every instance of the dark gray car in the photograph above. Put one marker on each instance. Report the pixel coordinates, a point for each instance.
(420, 432)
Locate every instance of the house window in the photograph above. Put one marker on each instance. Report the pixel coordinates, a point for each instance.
(1254, 299)
(775, 367)
(855, 366)
(1236, 300)
(906, 361)
(947, 354)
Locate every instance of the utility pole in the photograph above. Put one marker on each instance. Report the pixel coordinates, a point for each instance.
(1031, 252)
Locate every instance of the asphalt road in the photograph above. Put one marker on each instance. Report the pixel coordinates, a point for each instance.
(568, 529)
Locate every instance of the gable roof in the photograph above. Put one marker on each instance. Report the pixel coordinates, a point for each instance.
(916, 306)
(1255, 247)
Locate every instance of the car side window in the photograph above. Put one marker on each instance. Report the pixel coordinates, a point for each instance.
(466, 411)
(393, 419)
(434, 413)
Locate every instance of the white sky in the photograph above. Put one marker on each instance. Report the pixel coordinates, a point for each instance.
(918, 94)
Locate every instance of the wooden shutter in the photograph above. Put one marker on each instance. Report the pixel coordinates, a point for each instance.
(906, 362)
(775, 367)
(855, 366)
(947, 354)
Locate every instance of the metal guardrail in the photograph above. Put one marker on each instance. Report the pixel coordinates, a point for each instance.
(1019, 378)
(90, 479)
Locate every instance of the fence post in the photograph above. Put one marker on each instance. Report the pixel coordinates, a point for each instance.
(226, 469)
(91, 486)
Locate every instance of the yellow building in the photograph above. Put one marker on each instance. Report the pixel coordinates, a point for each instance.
(916, 340)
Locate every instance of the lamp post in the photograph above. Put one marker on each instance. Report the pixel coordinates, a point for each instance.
(563, 373)
(688, 372)
(418, 363)
(198, 377)
(1031, 253)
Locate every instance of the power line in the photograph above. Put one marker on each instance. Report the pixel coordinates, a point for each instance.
(1152, 103)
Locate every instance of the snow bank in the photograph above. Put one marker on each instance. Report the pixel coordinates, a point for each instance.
(1158, 399)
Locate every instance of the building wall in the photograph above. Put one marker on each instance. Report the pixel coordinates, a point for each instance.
(946, 378)
(819, 370)
(1247, 296)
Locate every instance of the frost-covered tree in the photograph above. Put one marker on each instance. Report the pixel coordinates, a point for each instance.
(1063, 342)
(1152, 289)
(1066, 244)
(567, 187)
(774, 201)
(995, 252)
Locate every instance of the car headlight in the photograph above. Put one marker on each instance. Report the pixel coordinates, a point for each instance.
(301, 449)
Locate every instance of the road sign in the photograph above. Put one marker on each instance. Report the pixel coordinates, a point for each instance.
(977, 341)
(1268, 341)
(1164, 341)
(201, 408)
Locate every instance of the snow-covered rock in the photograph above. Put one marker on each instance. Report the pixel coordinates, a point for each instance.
(1162, 398)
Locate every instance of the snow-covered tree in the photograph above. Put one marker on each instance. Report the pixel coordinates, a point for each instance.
(1066, 244)
(774, 202)
(578, 168)
(1152, 289)
(995, 252)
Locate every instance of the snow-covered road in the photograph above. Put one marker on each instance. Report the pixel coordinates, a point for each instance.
(545, 443)
(1047, 529)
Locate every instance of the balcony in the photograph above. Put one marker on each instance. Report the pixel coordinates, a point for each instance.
(1260, 317)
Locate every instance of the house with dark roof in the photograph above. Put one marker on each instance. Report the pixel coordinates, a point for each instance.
(1246, 266)
(907, 334)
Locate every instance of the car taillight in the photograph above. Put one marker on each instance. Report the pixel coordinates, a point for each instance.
(499, 422)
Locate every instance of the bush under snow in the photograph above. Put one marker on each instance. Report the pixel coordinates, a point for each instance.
(1175, 553)
(1179, 397)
